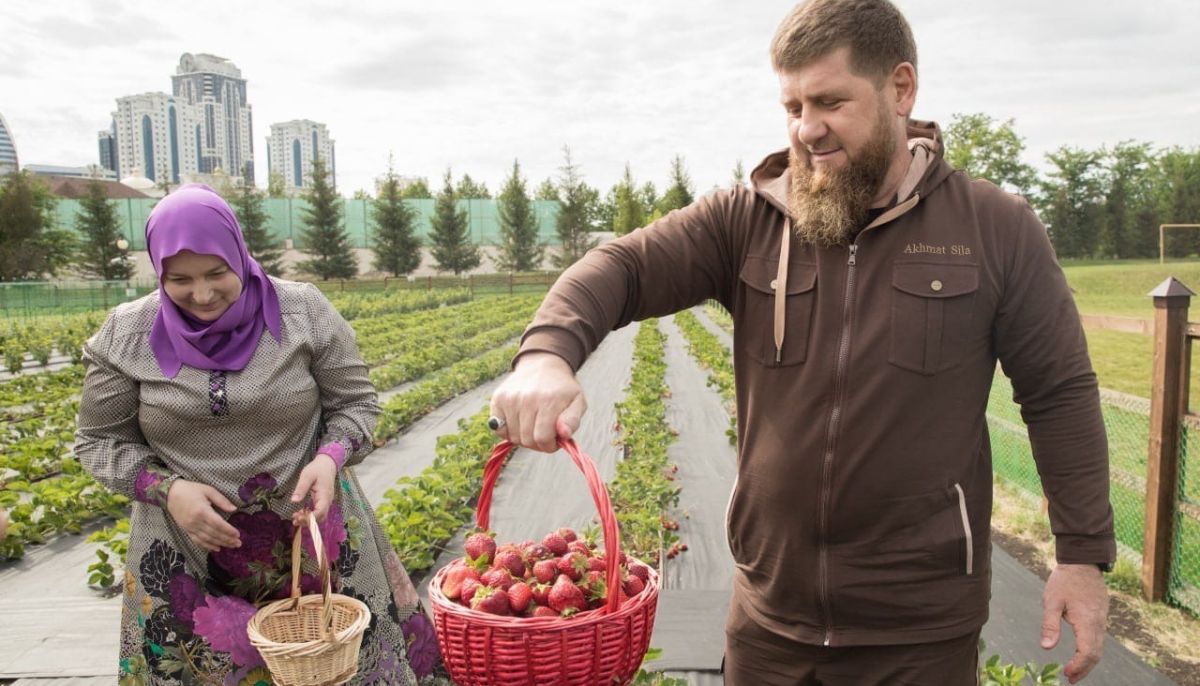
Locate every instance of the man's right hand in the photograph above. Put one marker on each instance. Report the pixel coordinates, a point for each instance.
(192, 504)
(540, 402)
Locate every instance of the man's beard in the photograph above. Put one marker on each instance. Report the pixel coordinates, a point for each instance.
(827, 206)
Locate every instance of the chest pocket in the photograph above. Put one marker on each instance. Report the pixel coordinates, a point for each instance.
(932, 306)
(755, 329)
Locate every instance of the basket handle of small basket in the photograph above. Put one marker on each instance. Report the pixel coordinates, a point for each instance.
(323, 564)
(608, 518)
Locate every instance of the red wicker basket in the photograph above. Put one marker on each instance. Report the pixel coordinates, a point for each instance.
(602, 646)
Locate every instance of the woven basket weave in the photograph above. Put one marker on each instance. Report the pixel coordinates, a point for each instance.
(312, 639)
(602, 646)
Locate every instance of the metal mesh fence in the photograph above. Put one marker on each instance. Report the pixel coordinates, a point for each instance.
(1127, 421)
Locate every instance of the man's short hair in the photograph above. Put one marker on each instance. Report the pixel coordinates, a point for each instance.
(876, 33)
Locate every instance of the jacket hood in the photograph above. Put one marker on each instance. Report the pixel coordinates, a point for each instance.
(772, 180)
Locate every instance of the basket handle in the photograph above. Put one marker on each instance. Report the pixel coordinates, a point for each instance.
(608, 518)
(323, 564)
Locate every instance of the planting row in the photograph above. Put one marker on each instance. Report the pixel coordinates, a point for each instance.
(354, 306)
(644, 491)
(712, 355)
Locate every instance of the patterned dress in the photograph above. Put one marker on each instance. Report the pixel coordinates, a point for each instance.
(248, 434)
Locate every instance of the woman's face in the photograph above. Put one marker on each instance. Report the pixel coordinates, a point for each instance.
(202, 285)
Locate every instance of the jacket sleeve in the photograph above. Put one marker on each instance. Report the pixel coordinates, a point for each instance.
(108, 440)
(349, 403)
(674, 263)
(1042, 348)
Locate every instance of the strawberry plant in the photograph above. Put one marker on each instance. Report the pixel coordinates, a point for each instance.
(714, 356)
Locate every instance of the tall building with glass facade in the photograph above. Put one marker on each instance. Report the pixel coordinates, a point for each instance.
(148, 128)
(220, 128)
(8, 149)
(203, 126)
(291, 148)
(107, 142)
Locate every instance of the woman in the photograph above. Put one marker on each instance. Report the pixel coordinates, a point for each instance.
(222, 405)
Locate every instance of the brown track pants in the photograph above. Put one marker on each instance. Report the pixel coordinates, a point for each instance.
(754, 657)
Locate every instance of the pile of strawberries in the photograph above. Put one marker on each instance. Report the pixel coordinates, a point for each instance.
(560, 577)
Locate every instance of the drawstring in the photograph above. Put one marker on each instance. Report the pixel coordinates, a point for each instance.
(785, 249)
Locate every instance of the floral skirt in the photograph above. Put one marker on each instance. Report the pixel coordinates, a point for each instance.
(185, 611)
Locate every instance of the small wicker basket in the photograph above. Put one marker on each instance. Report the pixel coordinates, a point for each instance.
(310, 640)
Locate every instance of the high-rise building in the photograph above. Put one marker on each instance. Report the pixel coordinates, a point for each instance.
(291, 148)
(148, 128)
(204, 126)
(107, 141)
(8, 149)
(220, 126)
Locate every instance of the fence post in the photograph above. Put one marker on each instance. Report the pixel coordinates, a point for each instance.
(471, 285)
(1168, 404)
(510, 283)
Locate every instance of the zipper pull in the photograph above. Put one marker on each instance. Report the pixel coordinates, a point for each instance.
(853, 252)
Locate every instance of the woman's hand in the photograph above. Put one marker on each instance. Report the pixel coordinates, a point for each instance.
(317, 480)
(192, 506)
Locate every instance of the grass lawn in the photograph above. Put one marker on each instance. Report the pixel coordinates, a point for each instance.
(1120, 287)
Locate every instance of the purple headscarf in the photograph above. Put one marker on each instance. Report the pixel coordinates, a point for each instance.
(195, 218)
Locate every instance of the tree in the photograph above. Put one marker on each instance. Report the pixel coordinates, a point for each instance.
(325, 239)
(468, 189)
(1071, 201)
(361, 194)
(548, 190)
(417, 190)
(988, 149)
(449, 233)
(520, 250)
(649, 197)
(679, 193)
(100, 255)
(739, 174)
(30, 244)
(394, 239)
(276, 187)
(1130, 217)
(628, 211)
(1177, 188)
(576, 214)
(248, 204)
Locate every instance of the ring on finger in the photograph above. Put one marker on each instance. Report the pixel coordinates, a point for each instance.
(496, 423)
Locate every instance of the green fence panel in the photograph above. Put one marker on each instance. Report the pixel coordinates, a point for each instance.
(285, 219)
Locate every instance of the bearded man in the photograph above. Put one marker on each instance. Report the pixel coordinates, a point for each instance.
(873, 289)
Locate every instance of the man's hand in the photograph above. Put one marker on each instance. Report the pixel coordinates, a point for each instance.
(1076, 593)
(539, 402)
(191, 505)
(317, 479)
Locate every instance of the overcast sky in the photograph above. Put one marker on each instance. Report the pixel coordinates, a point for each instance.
(472, 85)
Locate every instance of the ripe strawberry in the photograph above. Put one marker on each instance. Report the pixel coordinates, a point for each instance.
(544, 611)
(555, 543)
(491, 600)
(594, 586)
(596, 564)
(579, 547)
(541, 593)
(633, 586)
(497, 577)
(573, 565)
(567, 534)
(453, 581)
(480, 548)
(525, 544)
(469, 588)
(565, 595)
(546, 571)
(510, 559)
(639, 570)
(519, 596)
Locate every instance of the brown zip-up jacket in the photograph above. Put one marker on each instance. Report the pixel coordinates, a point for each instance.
(861, 511)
